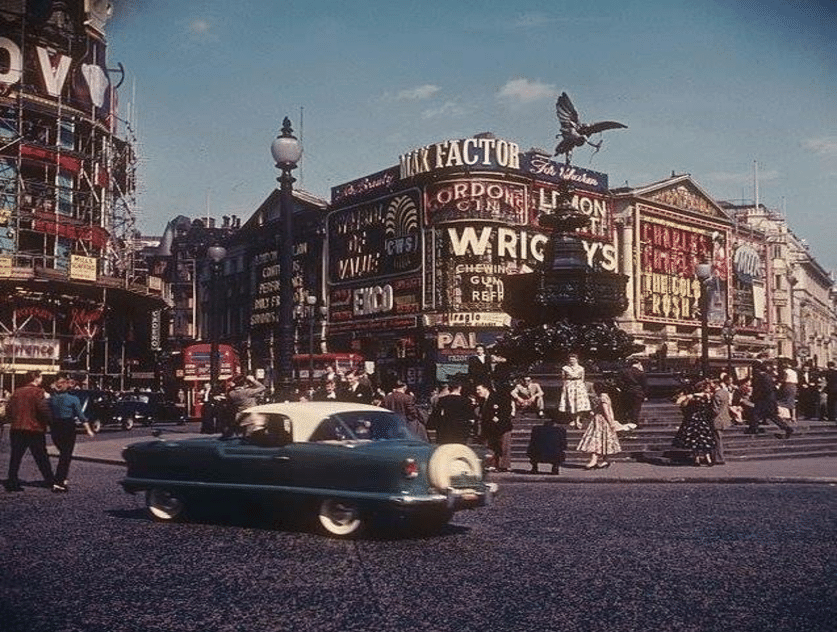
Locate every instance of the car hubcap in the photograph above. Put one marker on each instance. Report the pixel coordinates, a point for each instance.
(339, 517)
(164, 505)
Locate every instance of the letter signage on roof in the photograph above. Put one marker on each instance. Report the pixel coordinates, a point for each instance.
(540, 165)
(474, 153)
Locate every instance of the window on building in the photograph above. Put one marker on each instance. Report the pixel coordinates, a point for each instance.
(64, 182)
(8, 123)
(67, 135)
(777, 282)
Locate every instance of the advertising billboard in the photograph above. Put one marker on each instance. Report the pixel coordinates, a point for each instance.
(375, 240)
(667, 289)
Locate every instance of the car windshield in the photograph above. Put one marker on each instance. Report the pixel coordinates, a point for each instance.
(362, 426)
(136, 397)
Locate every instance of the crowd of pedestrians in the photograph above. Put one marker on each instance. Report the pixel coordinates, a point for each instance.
(476, 407)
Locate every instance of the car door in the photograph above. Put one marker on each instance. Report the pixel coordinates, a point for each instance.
(247, 464)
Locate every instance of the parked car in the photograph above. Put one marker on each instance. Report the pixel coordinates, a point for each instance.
(347, 464)
(145, 408)
(96, 406)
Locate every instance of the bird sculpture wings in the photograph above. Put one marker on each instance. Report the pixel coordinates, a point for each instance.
(574, 133)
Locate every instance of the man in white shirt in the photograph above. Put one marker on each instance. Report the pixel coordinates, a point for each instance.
(528, 394)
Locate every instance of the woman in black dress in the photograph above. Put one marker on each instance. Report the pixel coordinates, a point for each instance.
(695, 432)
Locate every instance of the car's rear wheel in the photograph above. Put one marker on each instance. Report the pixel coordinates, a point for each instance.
(163, 505)
(450, 460)
(128, 423)
(340, 518)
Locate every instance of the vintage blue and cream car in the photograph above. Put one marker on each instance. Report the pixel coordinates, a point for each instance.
(345, 463)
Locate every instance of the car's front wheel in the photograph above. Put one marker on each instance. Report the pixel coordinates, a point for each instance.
(340, 518)
(163, 505)
(96, 426)
(127, 423)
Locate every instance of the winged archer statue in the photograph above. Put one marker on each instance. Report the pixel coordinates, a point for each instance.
(573, 132)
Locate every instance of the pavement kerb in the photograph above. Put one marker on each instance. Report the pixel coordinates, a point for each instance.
(824, 471)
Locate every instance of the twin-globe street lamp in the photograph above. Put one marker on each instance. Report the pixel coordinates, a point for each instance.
(728, 334)
(287, 151)
(703, 272)
(216, 254)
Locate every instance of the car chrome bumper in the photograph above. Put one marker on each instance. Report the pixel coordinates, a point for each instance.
(453, 498)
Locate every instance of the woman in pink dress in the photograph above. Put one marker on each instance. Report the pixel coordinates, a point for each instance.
(574, 399)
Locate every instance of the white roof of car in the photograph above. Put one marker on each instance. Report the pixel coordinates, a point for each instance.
(306, 416)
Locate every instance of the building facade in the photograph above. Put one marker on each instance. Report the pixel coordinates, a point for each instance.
(67, 199)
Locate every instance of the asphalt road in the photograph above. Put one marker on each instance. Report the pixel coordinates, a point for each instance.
(544, 557)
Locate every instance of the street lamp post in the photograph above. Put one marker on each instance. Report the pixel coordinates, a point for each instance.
(286, 151)
(216, 254)
(312, 301)
(703, 272)
(728, 333)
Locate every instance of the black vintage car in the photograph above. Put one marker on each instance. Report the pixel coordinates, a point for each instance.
(96, 406)
(145, 408)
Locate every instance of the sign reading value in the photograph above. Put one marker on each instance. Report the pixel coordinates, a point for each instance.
(377, 239)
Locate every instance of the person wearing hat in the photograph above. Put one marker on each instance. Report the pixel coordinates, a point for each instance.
(399, 401)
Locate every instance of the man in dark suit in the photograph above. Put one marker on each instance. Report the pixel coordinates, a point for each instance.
(634, 387)
(399, 401)
(496, 424)
(356, 390)
(453, 416)
(764, 401)
(328, 392)
(721, 419)
(479, 367)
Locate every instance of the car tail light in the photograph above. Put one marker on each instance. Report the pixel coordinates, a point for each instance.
(409, 468)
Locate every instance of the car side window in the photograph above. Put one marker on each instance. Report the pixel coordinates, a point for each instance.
(329, 430)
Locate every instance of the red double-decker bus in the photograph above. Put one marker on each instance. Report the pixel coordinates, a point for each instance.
(196, 370)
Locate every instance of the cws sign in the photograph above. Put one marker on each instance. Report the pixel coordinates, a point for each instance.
(375, 240)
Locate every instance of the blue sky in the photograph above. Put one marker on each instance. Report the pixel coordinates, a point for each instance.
(706, 87)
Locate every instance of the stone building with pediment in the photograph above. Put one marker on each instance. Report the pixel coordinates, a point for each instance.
(663, 230)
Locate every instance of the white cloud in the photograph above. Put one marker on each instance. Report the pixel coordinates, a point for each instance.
(418, 93)
(199, 27)
(825, 146)
(525, 91)
(531, 20)
(448, 108)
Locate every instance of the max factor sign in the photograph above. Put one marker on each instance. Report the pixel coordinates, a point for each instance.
(480, 153)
